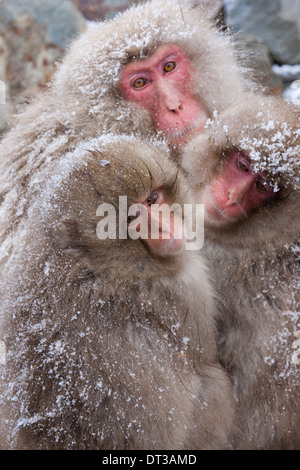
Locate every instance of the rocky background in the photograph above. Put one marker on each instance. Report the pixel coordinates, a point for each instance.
(34, 35)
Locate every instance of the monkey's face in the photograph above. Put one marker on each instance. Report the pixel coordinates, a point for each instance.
(160, 227)
(163, 84)
(227, 182)
(147, 197)
(237, 191)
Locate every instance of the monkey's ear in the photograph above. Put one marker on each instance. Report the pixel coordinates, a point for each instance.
(67, 234)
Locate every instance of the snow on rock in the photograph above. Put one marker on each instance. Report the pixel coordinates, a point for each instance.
(276, 22)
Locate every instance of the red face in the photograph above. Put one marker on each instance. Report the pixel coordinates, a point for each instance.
(163, 84)
(237, 191)
(162, 235)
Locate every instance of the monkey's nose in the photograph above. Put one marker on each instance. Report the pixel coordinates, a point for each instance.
(174, 105)
(170, 97)
(235, 196)
(237, 192)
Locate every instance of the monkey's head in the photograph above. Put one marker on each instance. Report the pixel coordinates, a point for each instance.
(114, 205)
(160, 66)
(246, 168)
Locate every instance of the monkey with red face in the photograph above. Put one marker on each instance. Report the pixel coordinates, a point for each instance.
(164, 85)
(110, 340)
(246, 171)
(237, 191)
(160, 67)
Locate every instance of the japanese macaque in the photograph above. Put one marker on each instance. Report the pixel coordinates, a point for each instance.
(246, 171)
(188, 64)
(110, 341)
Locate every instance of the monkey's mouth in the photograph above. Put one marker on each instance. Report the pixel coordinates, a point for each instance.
(169, 242)
(182, 136)
(171, 247)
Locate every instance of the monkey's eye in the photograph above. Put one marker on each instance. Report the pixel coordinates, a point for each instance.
(262, 186)
(242, 166)
(140, 82)
(169, 66)
(131, 218)
(152, 199)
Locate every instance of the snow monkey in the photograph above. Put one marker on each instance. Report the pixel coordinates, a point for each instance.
(246, 170)
(184, 59)
(110, 342)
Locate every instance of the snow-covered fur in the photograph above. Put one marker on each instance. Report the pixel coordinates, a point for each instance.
(256, 265)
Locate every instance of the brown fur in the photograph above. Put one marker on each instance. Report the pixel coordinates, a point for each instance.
(256, 266)
(107, 345)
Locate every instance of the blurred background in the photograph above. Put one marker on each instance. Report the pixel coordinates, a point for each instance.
(35, 34)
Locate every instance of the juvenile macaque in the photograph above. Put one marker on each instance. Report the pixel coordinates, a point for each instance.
(110, 342)
(90, 95)
(246, 170)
